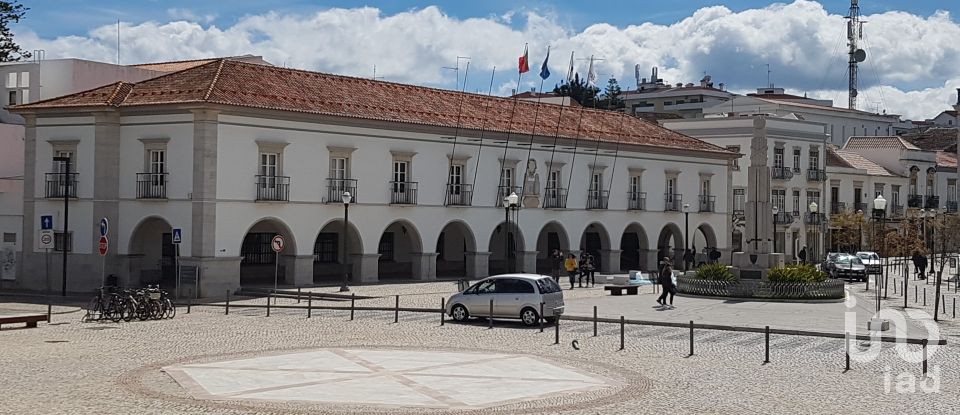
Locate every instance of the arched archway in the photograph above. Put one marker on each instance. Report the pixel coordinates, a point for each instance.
(596, 241)
(552, 236)
(500, 255)
(704, 239)
(329, 253)
(400, 247)
(152, 254)
(670, 243)
(634, 246)
(258, 261)
(455, 241)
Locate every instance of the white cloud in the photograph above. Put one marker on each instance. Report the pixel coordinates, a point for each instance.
(914, 58)
(189, 15)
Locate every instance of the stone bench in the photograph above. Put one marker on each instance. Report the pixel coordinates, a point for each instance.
(30, 319)
(619, 289)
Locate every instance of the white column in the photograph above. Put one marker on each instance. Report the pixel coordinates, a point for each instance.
(478, 265)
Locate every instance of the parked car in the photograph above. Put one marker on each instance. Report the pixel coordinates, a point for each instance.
(829, 261)
(870, 260)
(850, 267)
(513, 295)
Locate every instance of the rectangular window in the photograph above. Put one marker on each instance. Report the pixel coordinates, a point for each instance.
(736, 161)
(814, 158)
(25, 96)
(12, 98)
(952, 190)
(857, 197)
(671, 187)
(400, 169)
(24, 79)
(12, 80)
(9, 237)
(796, 202)
(780, 199)
(634, 187)
(596, 182)
(877, 189)
(385, 248)
(796, 159)
(895, 195)
(705, 187)
(930, 185)
(456, 178)
(268, 168)
(553, 182)
(158, 161)
(338, 168)
(325, 248)
(778, 157)
(814, 196)
(61, 166)
(506, 177)
(59, 241)
(739, 199)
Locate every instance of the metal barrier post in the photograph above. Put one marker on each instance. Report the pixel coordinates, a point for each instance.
(691, 337)
(443, 310)
(490, 326)
(298, 295)
(556, 331)
(622, 329)
(954, 307)
(189, 301)
(269, 294)
(766, 358)
(594, 321)
(894, 286)
(924, 357)
(846, 340)
(924, 296)
(916, 296)
(353, 297)
(226, 310)
(50, 312)
(396, 311)
(943, 301)
(541, 316)
(309, 305)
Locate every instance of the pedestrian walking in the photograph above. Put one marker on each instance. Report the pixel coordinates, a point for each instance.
(666, 282)
(916, 259)
(591, 269)
(556, 263)
(688, 259)
(570, 264)
(803, 255)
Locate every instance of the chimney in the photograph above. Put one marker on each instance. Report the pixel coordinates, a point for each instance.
(722, 86)
(513, 91)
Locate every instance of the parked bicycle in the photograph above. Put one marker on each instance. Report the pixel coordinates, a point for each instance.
(144, 304)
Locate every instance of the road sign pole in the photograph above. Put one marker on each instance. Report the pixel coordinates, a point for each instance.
(176, 261)
(276, 268)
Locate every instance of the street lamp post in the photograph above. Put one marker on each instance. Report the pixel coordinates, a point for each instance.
(66, 242)
(814, 217)
(345, 198)
(686, 233)
(860, 224)
(510, 202)
(880, 212)
(773, 237)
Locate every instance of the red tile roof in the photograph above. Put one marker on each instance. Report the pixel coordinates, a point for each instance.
(856, 161)
(946, 159)
(230, 82)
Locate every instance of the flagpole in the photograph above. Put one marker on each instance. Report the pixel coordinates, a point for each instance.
(456, 131)
(536, 115)
(483, 129)
(506, 144)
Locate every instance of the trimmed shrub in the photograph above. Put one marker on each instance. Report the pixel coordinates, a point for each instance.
(797, 273)
(715, 272)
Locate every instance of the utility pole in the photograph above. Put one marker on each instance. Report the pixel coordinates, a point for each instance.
(854, 33)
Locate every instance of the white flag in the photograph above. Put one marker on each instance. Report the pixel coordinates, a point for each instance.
(592, 74)
(570, 70)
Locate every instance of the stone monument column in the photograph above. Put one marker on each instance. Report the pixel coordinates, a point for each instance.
(757, 258)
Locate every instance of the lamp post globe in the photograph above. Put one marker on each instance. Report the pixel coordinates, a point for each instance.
(346, 198)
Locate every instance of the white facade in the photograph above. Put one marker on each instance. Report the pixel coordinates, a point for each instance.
(11, 199)
(213, 158)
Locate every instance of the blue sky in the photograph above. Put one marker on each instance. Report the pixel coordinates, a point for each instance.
(912, 46)
(51, 18)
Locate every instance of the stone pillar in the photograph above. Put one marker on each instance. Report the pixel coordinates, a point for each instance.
(478, 265)
(106, 184)
(424, 265)
(527, 262)
(298, 270)
(365, 269)
(130, 270)
(610, 261)
(217, 275)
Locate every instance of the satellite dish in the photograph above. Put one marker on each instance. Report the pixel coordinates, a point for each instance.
(853, 92)
(859, 55)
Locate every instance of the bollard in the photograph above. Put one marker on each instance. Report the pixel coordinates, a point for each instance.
(943, 300)
(846, 339)
(541, 316)
(924, 357)
(894, 286)
(954, 307)
(594, 321)
(691, 337)
(269, 294)
(621, 333)
(556, 331)
(226, 310)
(50, 312)
(309, 305)
(189, 301)
(396, 311)
(443, 310)
(924, 296)
(766, 358)
(490, 324)
(916, 295)
(353, 297)
(298, 295)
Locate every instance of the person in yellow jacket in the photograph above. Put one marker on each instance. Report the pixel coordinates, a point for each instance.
(571, 266)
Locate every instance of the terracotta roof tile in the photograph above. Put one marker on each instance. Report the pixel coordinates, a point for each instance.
(934, 139)
(946, 159)
(887, 142)
(857, 161)
(231, 82)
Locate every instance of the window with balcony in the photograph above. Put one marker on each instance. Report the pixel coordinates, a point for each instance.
(796, 159)
(671, 200)
(555, 196)
(507, 185)
(60, 182)
(596, 195)
(458, 193)
(706, 202)
(403, 191)
(796, 202)
(778, 157)
(271, 185)
(739, 202)
(636, 198)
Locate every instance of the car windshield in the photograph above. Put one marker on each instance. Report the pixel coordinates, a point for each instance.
(548, 285)
(869, 257)
(855, 260)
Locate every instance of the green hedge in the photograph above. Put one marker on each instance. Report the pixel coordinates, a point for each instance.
(797, 273)
(715, 272)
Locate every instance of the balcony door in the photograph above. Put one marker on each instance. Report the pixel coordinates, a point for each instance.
(455, 179)
(157, 168)
(268, 170)
(60, 167)
(400, 172)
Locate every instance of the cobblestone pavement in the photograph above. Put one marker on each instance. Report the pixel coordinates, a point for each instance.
(73, 367)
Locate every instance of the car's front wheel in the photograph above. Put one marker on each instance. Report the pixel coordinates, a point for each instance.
(529, 316)
(459, 313)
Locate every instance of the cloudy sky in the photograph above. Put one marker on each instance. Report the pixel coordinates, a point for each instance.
(912, 66)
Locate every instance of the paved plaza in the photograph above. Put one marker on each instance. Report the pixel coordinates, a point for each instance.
(246, 362)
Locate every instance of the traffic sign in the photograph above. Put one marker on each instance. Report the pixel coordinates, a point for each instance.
(46, 222)
(103, 246)
(104, 226)
(177, 235)
(46, 239)
(277, 243)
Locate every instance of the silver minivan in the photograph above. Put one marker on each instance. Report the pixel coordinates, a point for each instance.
(513, 295)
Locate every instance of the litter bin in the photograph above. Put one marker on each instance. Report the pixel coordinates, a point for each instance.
(112, 280)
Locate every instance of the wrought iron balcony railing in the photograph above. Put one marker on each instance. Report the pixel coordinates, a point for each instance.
(61, 185)
(637, 201)
(837, 207)
(707, 203)
(915, 201)
(931, 202)
(781, 173)
(504, 191)
(336, 187)
(952, 206)
(151, 185)
(672, 202)
(459, 195)
(273, 188)
(555, 198)
(811, 218)
(403, 193)
(783, 218)
(814, 175)
(597, 199)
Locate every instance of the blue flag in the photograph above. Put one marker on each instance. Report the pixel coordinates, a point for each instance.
(544, 71)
